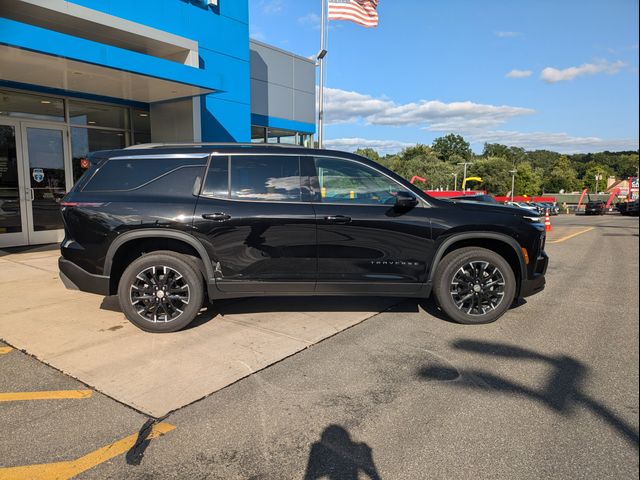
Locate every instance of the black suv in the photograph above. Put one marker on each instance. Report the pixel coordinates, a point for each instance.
(595, 207)
(170, 227)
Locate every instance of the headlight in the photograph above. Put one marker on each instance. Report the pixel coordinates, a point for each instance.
(533, 219)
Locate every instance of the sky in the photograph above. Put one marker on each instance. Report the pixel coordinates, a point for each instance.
(545, 74)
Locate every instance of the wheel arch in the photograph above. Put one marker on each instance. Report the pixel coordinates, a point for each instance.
(499, 243)
(174, 240)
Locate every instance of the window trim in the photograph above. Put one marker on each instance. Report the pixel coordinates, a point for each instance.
(422, 203)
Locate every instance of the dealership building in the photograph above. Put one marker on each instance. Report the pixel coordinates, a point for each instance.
(86, 75)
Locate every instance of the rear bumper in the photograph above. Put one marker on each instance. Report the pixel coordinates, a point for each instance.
(531, 286)
(76, 278)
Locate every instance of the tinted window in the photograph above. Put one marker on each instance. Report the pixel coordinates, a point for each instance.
(269, 178)
(344, 181)
(129, 174)
(217, 182)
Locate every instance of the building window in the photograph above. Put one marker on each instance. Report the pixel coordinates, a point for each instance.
(98, 115)
(258, 134)
(85, 140)
(35, 107)
(278, 135)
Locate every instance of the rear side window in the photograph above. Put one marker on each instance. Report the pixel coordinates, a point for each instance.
(269, 178)
(121, 175)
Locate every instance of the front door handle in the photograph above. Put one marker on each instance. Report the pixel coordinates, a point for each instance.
(218, 216)
(340, 219)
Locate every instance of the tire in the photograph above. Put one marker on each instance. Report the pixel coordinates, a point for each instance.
(459, 300)
(161, 310)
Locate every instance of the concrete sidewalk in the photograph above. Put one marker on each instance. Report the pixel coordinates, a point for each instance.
(87, 337)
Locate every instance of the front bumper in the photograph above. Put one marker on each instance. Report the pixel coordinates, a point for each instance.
(76, 278)
(536, 283)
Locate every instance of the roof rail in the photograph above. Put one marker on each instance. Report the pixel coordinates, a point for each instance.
(143, 146)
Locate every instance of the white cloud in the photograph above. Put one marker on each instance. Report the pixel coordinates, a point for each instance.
(559, 142)
(343, 106)
(310, 19)
(554, 75)
(258, 35)
(507, 34)
(352, 144)
(519, 74)
(271, 6)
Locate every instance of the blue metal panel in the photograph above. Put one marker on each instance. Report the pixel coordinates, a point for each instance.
(224, 121)
(274, 122)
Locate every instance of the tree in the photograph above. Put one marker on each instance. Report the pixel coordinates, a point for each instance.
(514, 154)
(589, 180)
(561, 177)
(495, 175)
(528, 181)
(452, 148)
(369, 153)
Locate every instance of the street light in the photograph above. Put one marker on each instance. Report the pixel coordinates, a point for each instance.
(464, 175)
(513, 182)
(455, 181)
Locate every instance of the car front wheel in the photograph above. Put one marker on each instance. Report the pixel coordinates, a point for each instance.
(474, 285)
(161, 292)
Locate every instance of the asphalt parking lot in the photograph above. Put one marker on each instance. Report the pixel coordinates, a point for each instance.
(360, 388)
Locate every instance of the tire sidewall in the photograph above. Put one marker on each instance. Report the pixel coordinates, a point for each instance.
(450, 265)
(181, 265)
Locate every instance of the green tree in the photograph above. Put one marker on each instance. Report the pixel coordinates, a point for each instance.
(514, 154)
(369, 153)
(452, 148)
(561, 177)
(494, 172)
(589, 180)
(528, 181)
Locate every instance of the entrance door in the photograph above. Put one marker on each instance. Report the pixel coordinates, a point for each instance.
(13, 210)
(47, 178)
(35, 173)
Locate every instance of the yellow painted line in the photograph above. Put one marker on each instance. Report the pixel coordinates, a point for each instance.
(71, 468)
(5, 350)
(50, 395)
(562, 239)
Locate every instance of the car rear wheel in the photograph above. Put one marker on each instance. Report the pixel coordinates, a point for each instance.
(474, 285)
(161, 292)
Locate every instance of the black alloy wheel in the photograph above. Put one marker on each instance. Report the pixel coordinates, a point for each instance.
(477, 288)
(161, 291)
(474, 285)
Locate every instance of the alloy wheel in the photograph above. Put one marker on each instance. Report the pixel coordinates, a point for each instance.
(477, 288)
(159, 294)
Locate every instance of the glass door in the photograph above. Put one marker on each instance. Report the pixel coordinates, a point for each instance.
(13, 216)
(47, 177)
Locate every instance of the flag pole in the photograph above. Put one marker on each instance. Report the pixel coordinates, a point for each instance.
(323, 51)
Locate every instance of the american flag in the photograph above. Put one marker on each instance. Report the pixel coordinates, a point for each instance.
(362, 12)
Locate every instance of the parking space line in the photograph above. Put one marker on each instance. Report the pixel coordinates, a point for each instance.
(71, 468)
(5, 350)
(567, 237)
(45, 395)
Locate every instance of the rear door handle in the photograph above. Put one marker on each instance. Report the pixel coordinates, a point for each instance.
(218, 216)
(341, 219)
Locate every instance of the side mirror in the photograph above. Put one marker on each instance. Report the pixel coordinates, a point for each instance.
(405, 201)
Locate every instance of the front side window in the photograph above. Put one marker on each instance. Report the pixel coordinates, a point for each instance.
(345, 181)
(270, 178)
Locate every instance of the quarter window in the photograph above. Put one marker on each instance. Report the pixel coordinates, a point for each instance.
(344, 181)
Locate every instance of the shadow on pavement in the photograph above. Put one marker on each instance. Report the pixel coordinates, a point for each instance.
(562, 393)
(336, 457)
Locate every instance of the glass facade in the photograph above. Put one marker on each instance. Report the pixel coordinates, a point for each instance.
(92, 126)
(277, 135)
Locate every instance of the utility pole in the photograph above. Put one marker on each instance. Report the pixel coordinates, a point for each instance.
(320, 57)
(513, 182)
(464, 175)
(455, 181)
